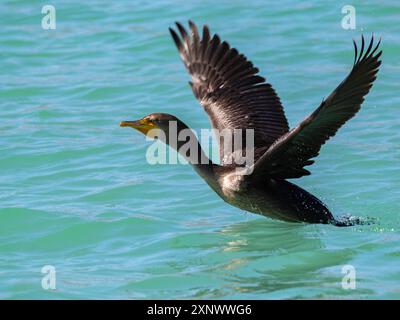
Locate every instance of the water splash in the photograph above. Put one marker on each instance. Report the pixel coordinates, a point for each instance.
(349, 220)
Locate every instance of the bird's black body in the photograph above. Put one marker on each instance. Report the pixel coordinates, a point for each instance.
(283, 200)
(274, 198)
(234, 96)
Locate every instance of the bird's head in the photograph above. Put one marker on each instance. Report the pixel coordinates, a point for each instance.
(151, 125)
(172, 131)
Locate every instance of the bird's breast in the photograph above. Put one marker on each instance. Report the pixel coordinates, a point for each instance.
(231, 184)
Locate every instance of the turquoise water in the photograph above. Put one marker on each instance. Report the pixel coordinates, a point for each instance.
(77, 193)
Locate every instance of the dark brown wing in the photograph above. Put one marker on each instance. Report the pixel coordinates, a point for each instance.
(290, 153)
(229, 89)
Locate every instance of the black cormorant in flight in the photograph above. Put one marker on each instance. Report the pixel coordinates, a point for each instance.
(235, 97)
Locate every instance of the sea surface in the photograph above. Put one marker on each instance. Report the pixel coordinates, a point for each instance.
(78, 198)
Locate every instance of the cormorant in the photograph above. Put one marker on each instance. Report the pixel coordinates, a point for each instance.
(235, 97)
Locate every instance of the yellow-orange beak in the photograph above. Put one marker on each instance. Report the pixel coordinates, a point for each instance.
(142, 125)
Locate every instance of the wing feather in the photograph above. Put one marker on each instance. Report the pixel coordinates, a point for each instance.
(228, 87)
(291, 152)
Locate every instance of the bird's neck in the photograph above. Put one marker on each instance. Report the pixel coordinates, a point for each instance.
(194, 154)
(207, 172)
(188, 146)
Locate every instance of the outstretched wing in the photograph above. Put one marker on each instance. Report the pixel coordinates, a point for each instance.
(229, 89)
(290, 153)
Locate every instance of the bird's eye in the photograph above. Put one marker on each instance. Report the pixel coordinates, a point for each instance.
(151, 122)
